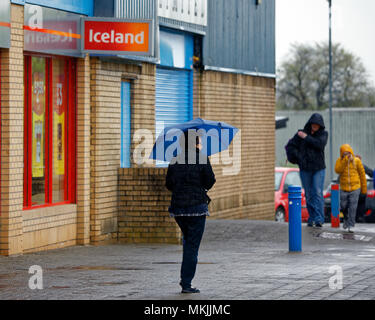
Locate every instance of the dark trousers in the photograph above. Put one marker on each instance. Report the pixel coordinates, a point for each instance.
(192, 229)
(361, 209)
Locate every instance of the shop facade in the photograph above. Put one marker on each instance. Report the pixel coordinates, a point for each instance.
(43, 96)
(73, 118)
(4, 44)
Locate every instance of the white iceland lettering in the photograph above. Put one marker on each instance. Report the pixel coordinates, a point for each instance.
(116, 37)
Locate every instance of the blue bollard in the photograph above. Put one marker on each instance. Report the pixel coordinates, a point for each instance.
(295, 219)
(335, 206)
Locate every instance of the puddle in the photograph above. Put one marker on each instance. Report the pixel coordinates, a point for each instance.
(95, 268)
(343, 236)
(6, 286)
(173, 262)
(113, 283)
(8, 275)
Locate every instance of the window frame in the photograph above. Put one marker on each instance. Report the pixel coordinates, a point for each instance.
(126, 123)
(70, 130)
(290, 174)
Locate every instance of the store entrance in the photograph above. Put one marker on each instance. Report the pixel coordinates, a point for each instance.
(49, 129)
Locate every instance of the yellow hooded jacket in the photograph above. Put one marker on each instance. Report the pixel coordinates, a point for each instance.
(352, 174)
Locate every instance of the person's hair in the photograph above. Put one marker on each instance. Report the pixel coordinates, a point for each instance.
(186, 140)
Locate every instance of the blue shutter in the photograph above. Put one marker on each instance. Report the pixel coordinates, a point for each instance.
(174, 97)
(125, 124)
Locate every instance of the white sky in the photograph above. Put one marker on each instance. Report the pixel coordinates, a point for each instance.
(306, 21)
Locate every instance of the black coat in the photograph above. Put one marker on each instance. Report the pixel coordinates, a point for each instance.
(368, 171)
(189, 183)
(310, 151)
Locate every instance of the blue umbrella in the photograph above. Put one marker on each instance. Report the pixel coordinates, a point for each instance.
(216, 137)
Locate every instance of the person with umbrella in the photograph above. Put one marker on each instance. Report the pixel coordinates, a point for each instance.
(189, 182)
(187, 147)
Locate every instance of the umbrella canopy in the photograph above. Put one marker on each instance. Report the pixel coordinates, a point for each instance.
(216, 136)
(281, 122)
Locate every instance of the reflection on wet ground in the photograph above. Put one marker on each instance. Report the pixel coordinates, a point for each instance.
(343, 236)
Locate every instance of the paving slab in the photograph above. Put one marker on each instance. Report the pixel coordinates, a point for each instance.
(238, 259)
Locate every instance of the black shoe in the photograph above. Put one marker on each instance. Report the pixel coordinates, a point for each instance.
(310, 225)
(318, 225)
(190, 290)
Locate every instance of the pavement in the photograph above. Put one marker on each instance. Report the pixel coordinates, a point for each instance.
(238, 260)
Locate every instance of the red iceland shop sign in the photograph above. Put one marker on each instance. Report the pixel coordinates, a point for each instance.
(117, 37)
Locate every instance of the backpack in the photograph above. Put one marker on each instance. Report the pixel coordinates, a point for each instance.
(290, 150)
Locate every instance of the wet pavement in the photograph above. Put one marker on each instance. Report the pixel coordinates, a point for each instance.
(238, 259)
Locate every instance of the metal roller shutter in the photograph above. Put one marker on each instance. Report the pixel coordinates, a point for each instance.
(174, 97)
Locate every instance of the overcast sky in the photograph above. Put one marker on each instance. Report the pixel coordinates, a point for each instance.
(306, 21)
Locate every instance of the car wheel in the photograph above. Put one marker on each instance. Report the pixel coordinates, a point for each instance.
(280, 215)
(327, 214)
(371, 217)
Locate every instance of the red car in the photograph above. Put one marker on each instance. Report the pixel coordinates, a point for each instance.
(370, 202)
(283, 178)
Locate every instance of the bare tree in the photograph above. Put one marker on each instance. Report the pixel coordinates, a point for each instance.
(302, 79)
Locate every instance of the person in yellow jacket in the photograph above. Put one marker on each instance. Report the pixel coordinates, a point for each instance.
(353, 182)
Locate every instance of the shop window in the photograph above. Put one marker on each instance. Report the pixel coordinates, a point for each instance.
(49, 146)
(125, 124)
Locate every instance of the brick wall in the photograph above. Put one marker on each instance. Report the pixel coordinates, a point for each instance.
(106, 80)
(49, 228)
(143, 207)
(244, 101)
(248, 103)
(83, 150)
(12, 138)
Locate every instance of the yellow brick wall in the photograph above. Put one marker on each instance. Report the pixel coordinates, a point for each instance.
(143, 207)
(49, 228)
(105, 89)
(248, 103)
(83, 150)
(12, 138)
(244, 101)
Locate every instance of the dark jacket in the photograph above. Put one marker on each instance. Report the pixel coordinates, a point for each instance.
(310, 151)
(368, 171)
(189, 183)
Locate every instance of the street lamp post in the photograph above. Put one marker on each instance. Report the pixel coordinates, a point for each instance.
(330, 92)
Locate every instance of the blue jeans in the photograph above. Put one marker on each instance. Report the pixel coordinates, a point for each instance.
(313, 183)
(192, 229)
